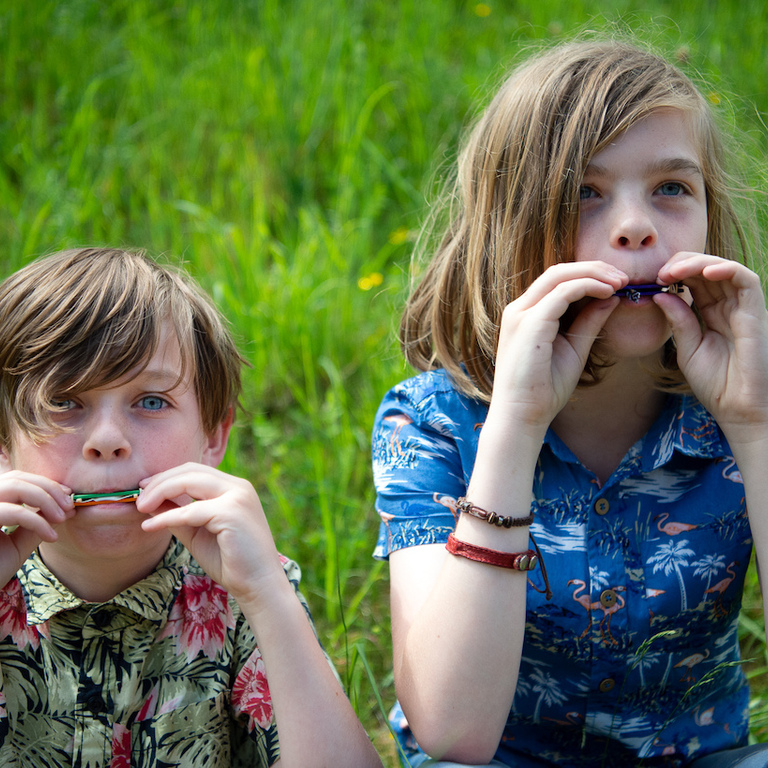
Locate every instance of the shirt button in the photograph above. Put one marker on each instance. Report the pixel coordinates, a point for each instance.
(608, 598)
(607, 685)
(602, 506)
(96, 705)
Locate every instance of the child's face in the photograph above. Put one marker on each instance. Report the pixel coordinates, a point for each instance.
(643, 200)
(118, 435)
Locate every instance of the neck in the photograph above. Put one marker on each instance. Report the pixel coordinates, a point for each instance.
(601, 423)
(97, 579)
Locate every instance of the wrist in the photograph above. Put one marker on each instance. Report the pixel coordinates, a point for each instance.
(747, 440)
(506, 419)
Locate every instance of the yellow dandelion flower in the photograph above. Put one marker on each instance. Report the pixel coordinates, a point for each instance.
(399, 236)
(367, 282)
(482, 10)
(714, 98)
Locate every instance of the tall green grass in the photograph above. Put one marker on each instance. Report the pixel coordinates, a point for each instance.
(283, 150)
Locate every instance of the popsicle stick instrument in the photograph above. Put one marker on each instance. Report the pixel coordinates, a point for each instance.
(636, 292)
(89, 499)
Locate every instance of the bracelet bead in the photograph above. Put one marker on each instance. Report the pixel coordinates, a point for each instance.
(492, 518)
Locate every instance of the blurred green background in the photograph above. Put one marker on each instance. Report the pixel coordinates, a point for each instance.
(286, 152)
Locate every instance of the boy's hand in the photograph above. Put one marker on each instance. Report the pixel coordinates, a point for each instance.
(30, 506)
(219, 518)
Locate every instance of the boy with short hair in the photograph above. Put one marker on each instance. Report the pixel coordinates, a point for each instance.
(142, 631)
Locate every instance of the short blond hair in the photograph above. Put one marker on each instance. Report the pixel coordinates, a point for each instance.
(83, 318)
(512, 210)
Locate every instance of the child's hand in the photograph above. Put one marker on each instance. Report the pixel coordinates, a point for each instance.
(30, 505)
(220, 521)
(726, 361)
(537, 367)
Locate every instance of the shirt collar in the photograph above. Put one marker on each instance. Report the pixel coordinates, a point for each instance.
(687, 427)
(151, 598)
(683, 425)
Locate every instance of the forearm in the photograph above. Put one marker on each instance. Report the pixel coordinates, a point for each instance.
(316, 724)
(456, 663)
(457, 672)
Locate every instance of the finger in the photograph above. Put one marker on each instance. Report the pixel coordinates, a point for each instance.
(713, 269)
(684, 324)
(50, 498)
(194, 515)
(575, 280)
(587, 325)
(21, 518)
(175, 485)
(26, 541)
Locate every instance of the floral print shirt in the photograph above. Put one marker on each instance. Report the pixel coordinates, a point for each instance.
(165, 674)
(635, 659)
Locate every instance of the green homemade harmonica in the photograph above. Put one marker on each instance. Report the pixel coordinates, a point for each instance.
(89, 499)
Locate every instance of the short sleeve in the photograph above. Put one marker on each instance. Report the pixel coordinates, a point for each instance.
(423, 447)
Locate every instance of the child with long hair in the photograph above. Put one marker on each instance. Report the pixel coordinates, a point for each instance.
(570, 490)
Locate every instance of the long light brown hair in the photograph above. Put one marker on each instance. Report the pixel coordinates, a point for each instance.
(83, 318)
(512, 210)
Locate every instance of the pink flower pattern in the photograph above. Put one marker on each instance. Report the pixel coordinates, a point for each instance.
(250, 693)
(202, 660)
(13, 616)
(199, 618)
(121, 747)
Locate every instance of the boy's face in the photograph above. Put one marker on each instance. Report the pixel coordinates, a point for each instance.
(118, 435)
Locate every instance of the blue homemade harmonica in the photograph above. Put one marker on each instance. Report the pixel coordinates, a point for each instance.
(636, 292)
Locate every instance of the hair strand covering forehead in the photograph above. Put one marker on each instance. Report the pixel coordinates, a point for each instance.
(84, 318)
(512, 209)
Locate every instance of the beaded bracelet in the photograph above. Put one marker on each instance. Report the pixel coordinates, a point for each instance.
(502, 521)
(519, 561)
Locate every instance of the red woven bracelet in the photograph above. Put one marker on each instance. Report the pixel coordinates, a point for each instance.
(518, 561)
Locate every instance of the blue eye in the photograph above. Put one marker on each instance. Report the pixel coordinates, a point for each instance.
(672, 188)
(62, 404)
(585, 193)
(153, 403)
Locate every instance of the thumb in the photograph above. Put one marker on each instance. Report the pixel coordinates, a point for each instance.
(685, 326)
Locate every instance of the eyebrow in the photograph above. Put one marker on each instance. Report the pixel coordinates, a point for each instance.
(160, 377)
(667, 165)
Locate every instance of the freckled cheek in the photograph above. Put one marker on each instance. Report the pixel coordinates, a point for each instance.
(50, 459)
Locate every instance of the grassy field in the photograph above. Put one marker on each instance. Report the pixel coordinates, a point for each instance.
(285, 152)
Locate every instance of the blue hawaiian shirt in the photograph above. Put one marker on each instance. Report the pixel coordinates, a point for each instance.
(635, 659)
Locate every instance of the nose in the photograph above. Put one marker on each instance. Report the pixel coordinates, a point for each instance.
(633, 227)
(106, 436)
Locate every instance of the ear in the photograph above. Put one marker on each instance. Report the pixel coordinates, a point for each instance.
(217, 441)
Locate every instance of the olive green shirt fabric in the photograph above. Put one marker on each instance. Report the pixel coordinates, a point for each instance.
(165, 674)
